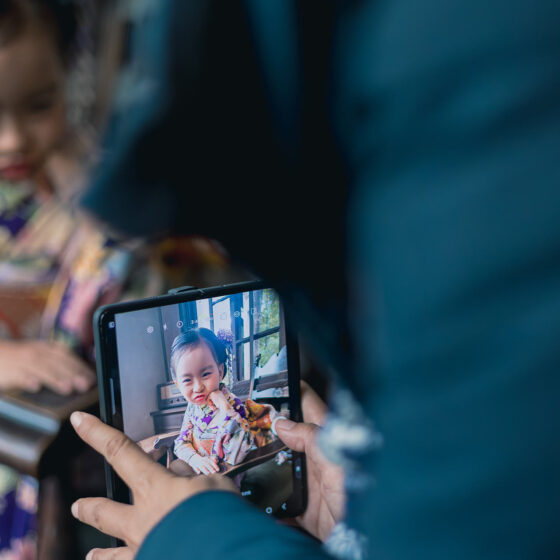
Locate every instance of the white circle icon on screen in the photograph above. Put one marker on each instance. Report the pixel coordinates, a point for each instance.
(268, 510)
(236, 314)
(179, 324)
(150, 329)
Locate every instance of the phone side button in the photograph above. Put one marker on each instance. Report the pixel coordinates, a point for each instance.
(112, 388)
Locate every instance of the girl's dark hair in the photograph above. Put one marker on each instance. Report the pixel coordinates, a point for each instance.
(59, 17)
(192, 338)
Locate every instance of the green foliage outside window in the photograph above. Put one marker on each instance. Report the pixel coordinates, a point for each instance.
(268, 317)
(266, 347)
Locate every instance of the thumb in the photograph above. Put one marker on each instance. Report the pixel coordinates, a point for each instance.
(298, 436)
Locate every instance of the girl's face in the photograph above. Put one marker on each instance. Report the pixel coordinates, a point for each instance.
(32, 111)
(198, 374)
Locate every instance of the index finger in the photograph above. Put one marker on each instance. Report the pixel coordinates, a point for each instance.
(128, 460)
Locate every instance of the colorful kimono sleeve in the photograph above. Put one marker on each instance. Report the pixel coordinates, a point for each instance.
(254, 418)
(95, 272)
(184, 448)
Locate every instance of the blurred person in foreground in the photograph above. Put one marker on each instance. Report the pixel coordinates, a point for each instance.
(392, 167)
(55, 268)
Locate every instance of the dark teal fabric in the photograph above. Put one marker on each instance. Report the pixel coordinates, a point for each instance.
(446, 117)
(223, 525)
(451, 116)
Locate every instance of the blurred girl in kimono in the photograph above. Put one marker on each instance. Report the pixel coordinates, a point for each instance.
(55, 269)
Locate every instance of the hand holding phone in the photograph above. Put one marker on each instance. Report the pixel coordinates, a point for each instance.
(326, 494)
(156, 491)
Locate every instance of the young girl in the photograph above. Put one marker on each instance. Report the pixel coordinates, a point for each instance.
(54, 271)
(217, 426)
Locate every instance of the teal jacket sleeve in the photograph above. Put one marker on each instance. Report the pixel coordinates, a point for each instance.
(222, 525)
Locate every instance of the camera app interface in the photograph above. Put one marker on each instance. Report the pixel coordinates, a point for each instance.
(202, 385)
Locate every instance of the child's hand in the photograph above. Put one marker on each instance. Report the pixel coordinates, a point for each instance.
(32, 364)
(203, 465)
(218, 399)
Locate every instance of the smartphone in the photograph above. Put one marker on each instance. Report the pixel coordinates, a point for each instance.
(198, 379)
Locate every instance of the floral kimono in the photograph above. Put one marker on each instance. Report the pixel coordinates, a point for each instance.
(54, 272)
(246, 426)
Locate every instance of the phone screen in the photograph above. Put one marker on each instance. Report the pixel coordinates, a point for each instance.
(198, 382)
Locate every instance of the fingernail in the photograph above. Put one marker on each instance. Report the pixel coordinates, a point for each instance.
(74, 509)
(76, 419)
(283, 424)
